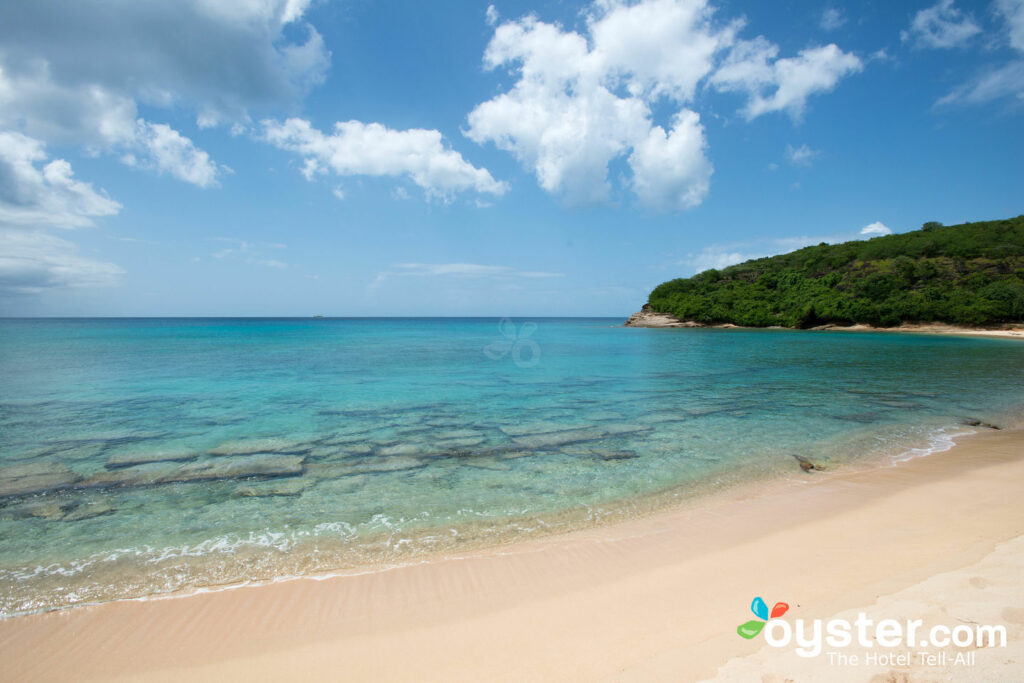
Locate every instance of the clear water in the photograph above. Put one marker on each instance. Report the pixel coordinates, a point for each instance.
(287, 447)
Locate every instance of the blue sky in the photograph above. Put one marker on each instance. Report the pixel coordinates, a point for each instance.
(296, 157)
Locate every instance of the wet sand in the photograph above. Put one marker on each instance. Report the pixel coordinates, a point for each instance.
(657, 598)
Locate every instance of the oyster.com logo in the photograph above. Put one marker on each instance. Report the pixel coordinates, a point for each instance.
(751, 628)
(887, 642)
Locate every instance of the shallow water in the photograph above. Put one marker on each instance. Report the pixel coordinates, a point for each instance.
(148, 456)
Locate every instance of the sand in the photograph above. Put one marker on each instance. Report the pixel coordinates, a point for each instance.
(657, 598)
(648, 318)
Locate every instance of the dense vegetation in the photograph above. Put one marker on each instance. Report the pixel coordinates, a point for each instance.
(970, 274)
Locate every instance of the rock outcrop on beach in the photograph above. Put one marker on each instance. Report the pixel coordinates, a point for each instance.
(646, 317)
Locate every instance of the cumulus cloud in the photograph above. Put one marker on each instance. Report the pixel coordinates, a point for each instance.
(37, 193)
(583, 99)
(940, 26)
(65, 77)
(774, 85)
(670, 170)
(876, 229)
(371, 149)
(801, 156)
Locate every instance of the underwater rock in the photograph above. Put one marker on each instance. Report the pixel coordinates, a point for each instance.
(457, 434)
(132, 457)
(46, 510)
(556, 439)
(978, 423)
(259, 465)
(256, 465)
(403, 449)
(459, 443)
(286, 487)
(88, 511)
(248, 446)
(330, 470)
(542, 427)
(21, 480)
(806, 465)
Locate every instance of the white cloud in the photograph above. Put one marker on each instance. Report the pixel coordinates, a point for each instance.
(77, 73)
(168, 151)
(801, 156)
(720, 256)
(831, 19)
(492, 15)
(670, 171)
(100, 120)
(656, 47)
(32, 261)
(371, 149)
(1012, 12)
(458, 270)
(940, 26)
(1002, 81)
(582, 101)
(248, 252)
(782, 84)
(876, 229)
(237, 55)
(468, 270)
(35, 193)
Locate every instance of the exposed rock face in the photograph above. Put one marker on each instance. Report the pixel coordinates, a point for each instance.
(649, 318)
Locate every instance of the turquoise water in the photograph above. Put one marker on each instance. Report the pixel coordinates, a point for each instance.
(146, 456)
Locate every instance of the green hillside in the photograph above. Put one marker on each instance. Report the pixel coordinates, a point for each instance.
(970, 274)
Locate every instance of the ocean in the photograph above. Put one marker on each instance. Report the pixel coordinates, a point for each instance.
(143, 457)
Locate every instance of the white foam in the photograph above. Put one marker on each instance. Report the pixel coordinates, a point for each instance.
(939, 441)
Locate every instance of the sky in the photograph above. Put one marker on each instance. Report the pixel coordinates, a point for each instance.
(358, 158)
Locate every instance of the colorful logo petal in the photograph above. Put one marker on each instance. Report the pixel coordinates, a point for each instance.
(750, 629)
(759, 609)
(779, 609)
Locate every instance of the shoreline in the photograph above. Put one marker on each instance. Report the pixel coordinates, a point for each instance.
(610, 598)
(645, 318)
(677, 498)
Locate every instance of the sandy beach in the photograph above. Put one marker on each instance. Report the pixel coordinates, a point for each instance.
(653, 319)
(657, 598)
